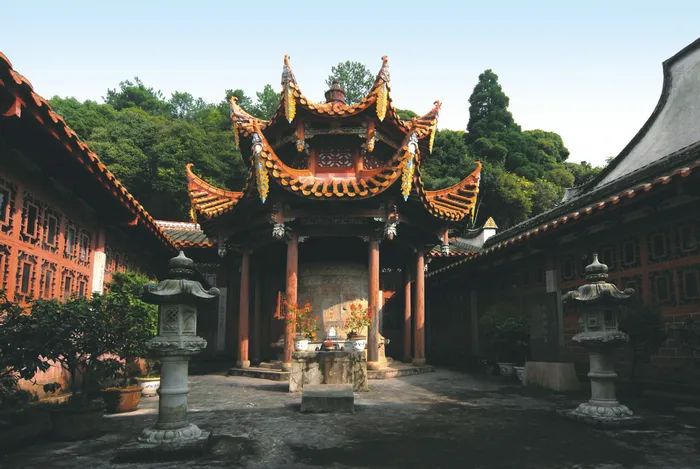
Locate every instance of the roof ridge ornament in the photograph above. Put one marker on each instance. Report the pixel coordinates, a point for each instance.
(289, 101)
(410, 167)
(233, 101)
(261, 177)
(383, 89)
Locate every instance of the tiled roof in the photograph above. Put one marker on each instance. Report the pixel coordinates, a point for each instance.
(454, 202)
(208, 200)
(27, 103)
(378, 98)
(458, 249)
(184, 234)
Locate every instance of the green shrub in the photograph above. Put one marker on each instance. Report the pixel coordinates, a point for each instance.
(507, 334)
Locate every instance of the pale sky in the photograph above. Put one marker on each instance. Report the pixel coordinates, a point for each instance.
(589, 70)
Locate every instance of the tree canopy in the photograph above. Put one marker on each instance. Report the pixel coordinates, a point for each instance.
(355, 79)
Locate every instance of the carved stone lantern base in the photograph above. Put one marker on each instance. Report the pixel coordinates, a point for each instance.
(190, 434)
(604, 416)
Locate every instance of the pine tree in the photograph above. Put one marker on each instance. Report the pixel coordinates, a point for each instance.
(488, 109)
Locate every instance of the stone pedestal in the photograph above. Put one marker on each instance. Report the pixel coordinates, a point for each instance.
(175, 343)
(338, 367)
(600, 303)
(603, 408)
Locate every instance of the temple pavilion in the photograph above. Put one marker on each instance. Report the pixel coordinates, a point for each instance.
(333, 211)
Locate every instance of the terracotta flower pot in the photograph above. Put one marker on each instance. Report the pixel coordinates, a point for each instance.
(120, 400)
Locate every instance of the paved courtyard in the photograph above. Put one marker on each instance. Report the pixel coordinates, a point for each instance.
(436, 420)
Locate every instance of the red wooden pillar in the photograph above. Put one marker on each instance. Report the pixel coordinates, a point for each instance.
(419, 322)
(407, 315)
(373, 305)
(243, 312)
(257, 321)
(292, 272)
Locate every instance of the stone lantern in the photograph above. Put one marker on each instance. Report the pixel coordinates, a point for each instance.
(177, 298)
(600, 303)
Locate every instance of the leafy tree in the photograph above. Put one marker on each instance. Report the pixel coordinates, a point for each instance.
(406, 114)
(449, 162)
(20, 349)
(545, 195)
(136, 94)
(130, 320)
(488, 108)
(355, 79)
(148, 150)
(267, 103)
(183, 105)
(582, 172)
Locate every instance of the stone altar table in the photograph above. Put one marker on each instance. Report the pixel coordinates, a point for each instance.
(334, 367)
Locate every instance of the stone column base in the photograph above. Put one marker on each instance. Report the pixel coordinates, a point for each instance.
(243, 364)
(286, 366)
(188, 434)
(605, 416)
(374, 366)
(418, 361)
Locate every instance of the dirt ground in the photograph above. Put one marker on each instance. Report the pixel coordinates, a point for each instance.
(437, 420)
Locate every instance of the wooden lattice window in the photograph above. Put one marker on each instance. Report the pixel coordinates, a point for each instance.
(568, 269)
(662, 286)
(68, 283)
(30, 220)
(335, 158)
(370, 161)
(608, 257)
(25, 276)
(84, 248)
(7, 192)
(51, 227)
(48, 280)
(5, 253)
(690, 283)
(82, 286)
(630, 253)
(71, 241)
(687, 238)
(658, 246)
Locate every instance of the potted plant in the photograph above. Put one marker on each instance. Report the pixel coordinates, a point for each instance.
(130, 323)
(73, 336)
(508, 335)
(305, 325)
(357, 321)
(150, 382)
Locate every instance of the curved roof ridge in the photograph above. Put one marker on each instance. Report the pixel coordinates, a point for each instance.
(305, 183)
(454, 202)
(671, 80)
(207, 199)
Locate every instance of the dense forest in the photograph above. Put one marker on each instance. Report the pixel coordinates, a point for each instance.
(146, 139)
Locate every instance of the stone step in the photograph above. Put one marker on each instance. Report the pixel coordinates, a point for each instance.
(329, 398)
(399, 371)
(261, 373)
(273, 365)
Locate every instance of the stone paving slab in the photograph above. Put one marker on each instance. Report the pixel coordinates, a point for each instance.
(443, 419)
